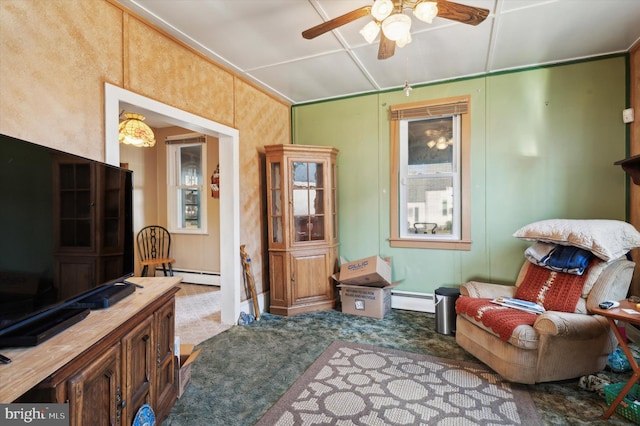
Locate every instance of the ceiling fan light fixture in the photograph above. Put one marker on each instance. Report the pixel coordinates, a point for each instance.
(381, 9)
(442, 143)
(133, 131)
(396, 26)
(370, 31)
(426, 11)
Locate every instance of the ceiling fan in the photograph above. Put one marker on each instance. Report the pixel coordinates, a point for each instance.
(389, 16)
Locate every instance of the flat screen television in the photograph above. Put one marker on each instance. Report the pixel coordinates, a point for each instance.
(66, 238)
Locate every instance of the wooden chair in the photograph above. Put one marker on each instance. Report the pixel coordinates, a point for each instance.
(154, 248)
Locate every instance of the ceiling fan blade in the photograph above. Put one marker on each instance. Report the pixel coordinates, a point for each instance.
(461, 13)
(334, 23)
(387, 47)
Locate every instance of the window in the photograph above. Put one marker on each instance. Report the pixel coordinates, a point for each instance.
(430, 174)
(186, 167)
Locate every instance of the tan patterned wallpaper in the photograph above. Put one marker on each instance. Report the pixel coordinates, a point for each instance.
(260, 123)
(187, 81)
(55, 57)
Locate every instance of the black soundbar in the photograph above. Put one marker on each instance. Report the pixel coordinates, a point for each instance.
(36, 332)
(107, 297)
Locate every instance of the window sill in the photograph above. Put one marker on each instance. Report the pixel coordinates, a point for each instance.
(439, 245)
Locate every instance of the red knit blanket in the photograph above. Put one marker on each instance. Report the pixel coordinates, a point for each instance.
(556, 291)
(501, 319)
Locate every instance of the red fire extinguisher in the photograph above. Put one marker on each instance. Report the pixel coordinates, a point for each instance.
(215, 183)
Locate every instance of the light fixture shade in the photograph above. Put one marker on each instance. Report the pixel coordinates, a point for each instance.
(426, 11)
(381, 9)
(370, 31)
(404, 41)
(133, 131)
(396, 26)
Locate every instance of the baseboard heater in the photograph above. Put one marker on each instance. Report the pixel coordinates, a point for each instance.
(194, 277)
(413, 301)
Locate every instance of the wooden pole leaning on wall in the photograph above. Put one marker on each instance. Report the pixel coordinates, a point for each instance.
(246, 263)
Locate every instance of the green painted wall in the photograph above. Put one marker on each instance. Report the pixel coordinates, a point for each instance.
(543, 143)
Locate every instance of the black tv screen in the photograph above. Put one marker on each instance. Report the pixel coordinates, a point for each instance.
(66, 230)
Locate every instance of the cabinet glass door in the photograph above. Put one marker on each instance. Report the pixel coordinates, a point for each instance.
(76, 205)
(276, 203)
(334, 202)
(307, 199)
(112, 188)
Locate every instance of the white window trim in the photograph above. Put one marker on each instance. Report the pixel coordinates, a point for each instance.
(455, 174)
(426, 109)
(173, 186)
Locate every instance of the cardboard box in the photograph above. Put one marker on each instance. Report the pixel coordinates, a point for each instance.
(366, 301)
(183, 372)
(371, 271)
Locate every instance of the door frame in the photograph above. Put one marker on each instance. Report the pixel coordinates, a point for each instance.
(116, 98)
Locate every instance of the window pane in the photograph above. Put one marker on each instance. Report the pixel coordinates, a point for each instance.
(189, 185)
(430, 146)
(300, 202)
(303, 228)
(317, 228)
(191, 208)
(427, 201)
(191, 165)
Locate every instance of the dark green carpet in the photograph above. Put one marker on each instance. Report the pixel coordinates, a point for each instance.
(243, 371)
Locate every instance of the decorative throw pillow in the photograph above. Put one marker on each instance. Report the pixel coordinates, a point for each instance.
(607, 239)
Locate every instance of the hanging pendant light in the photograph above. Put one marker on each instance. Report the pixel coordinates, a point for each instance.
(133, 131)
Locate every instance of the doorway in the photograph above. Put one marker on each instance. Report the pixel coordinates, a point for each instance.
(116, 99)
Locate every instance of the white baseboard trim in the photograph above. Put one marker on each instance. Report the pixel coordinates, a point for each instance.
(412, 301)
(194, 277)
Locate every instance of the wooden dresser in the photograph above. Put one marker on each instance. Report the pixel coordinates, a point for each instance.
(107, 365)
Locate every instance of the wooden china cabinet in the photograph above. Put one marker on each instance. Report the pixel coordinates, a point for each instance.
(87, 196)
(303, 227)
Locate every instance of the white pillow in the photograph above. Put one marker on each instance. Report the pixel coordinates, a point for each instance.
(607, 239)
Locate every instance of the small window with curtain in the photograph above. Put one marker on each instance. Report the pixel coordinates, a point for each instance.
(186, 171)
(430, 174)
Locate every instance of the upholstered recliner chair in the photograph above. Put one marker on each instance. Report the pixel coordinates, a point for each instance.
(565, 341)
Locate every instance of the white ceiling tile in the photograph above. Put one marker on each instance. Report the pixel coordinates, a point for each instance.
(564, 30)
(261, 40)
(316, 78)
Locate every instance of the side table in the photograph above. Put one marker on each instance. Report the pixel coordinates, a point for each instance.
(618, 314)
